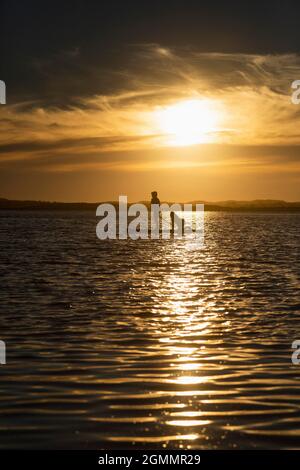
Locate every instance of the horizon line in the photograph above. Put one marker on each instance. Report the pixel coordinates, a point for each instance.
(116, 201)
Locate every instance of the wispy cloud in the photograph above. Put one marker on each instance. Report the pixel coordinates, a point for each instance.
(252, 94)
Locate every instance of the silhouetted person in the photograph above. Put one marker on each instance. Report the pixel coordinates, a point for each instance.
(156, 201)
(172, 217)
(154, 198)
(175, 220)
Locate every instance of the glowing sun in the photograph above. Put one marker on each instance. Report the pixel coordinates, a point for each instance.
(189, 122)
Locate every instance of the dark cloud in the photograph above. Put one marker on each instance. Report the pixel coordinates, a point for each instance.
(53, 51)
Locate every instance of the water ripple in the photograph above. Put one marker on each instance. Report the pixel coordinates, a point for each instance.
(149, 344)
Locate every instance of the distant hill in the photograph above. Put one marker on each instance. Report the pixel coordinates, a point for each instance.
(230, 206)
(255, 205)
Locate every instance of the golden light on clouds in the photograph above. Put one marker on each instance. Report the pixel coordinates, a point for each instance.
(225, 120)
(189, 122)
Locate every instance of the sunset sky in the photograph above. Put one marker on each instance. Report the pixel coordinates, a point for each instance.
(110, 98)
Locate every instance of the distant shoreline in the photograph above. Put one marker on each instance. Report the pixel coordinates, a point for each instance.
(228, 206)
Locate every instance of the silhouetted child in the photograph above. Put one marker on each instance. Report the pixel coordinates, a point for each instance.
(178, 222)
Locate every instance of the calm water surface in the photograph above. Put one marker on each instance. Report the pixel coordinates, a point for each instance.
(149, 344)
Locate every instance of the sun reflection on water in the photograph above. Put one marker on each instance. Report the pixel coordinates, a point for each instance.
(181, 329)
